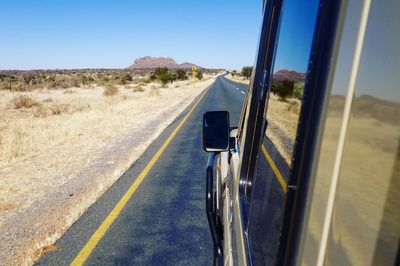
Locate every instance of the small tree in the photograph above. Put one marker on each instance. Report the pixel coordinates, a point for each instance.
(298, 90)
(165, 77)
(122, 79)
(83, 79)
(181, 74)
(28, 78)
(233, 73)
(284, 88)
(199, 75)
(160, 71)
(128, 77)
(5, 85)
(153, 77)
(246, 71)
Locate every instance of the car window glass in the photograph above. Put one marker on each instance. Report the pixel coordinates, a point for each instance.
(282, 115)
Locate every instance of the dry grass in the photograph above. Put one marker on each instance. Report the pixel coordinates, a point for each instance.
(110, 90)
(37, 120)
(24, 101)
(138, 88)
(154, 92)
(69, 91)
(283, 119)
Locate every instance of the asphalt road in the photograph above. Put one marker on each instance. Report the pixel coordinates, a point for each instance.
(164, 222)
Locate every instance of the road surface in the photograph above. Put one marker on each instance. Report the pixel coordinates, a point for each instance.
(163, 221)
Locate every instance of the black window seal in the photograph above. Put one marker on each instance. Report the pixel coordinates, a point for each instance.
(253, 114)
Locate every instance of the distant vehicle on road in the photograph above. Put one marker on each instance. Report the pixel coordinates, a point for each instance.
(311, 174)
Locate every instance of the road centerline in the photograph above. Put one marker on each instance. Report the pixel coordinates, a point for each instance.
(95, 238)
(275, 169)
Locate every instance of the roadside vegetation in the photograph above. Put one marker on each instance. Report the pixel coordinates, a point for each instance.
(283, 107)
(31, 101)
(246, 71)
(25, 81)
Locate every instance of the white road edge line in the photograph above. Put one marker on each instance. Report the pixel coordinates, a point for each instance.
(233, 86)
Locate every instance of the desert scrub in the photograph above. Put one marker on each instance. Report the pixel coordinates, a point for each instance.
(68, 91)
(293, 107)
(24, 101)
(5, 86)
(138, 88)
(110, 90)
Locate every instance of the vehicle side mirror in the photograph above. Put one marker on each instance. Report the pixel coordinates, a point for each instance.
(216, 131)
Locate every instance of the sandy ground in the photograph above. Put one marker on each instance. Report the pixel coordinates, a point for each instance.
(55, 164)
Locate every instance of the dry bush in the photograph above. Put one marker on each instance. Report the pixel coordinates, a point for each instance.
(138, 88)
(24, 101)
(293, 107)
(110, 90)
(41, 111)
(4, 86)
(59, 109)
(69, 91)
(48, 100)
(154, 92)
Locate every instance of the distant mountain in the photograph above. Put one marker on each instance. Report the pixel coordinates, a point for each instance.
(367, 106)
(291, 75)
(149, 62)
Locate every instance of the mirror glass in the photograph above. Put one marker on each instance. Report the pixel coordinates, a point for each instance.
(216, 131)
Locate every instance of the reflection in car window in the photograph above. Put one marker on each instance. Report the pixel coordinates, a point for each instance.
(282, 114)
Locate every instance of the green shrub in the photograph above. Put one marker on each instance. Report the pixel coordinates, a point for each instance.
(199, 75)
(83, 79)
(165, 77)
(5, 85)
(122, 79)
(160, 71)
(181, 74)
(246, 71)
(298, 90)
(284, 89)
(128, 77)
(153, 77)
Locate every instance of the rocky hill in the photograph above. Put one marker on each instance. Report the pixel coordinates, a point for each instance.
(149, 62)
(291, 75)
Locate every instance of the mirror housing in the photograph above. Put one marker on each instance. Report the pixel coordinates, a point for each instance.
(216, 127)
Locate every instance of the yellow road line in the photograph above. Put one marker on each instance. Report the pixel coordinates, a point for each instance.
(112, 216)
(278, 174)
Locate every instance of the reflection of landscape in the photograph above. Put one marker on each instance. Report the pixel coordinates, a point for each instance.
(283, 111)
(365, 228)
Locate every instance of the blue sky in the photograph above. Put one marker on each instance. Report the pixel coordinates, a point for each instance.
(51, 34)
(296, 33)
